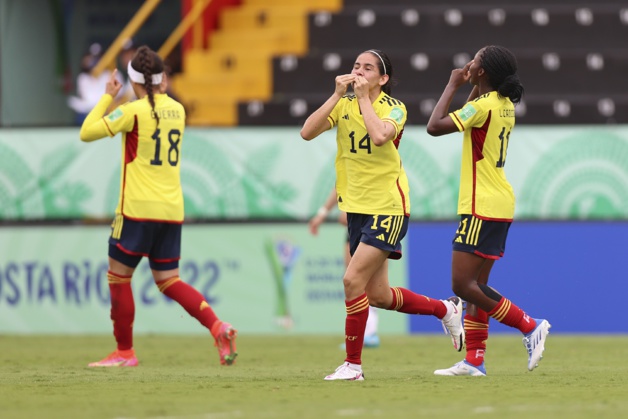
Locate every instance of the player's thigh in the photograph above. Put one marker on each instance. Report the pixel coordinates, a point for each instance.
(366, 261)
(465, 267)
(120, 268)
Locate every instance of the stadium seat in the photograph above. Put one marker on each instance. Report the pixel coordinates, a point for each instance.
(572, 56)
(415, 71)
(575, 110)
(574, 73)
(239, 59)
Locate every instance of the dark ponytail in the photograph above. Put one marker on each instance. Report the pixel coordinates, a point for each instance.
(147, 62)
(501, 68)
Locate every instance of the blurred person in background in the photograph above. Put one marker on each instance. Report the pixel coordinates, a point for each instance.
(372, 188)
(486, 202)
(149, 214)
(371, 339)
(89, 88)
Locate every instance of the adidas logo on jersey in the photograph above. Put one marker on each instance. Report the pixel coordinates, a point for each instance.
(381, 237)
(346, 117)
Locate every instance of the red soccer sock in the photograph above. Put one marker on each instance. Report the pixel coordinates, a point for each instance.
(355, 324)
(476, 334)
(509, 314)
(122, 309)
(190, 299)
(406, 301)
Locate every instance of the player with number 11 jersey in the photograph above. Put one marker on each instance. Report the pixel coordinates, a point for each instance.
(484, 190)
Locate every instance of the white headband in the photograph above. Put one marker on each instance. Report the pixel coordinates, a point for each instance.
(380, 58)
(137, 77)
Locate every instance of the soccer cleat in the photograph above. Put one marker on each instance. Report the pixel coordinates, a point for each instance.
(453, 326)
(463, 368)
(115, 359)
(345, 372)
(225, 342)
(535, 342)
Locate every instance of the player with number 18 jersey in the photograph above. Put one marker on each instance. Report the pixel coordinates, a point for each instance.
(150, 186)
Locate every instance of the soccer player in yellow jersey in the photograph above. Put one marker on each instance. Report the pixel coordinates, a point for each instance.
(372, 188)
(486, 202)
(149, 215)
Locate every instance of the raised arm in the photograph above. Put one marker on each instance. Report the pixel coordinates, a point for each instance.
(317, 122)
(440, 123)
(380, 131)
(94, 128)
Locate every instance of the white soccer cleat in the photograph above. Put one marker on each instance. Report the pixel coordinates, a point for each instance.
(535, 342)
(463, 368)
(346, 372)
(453, 325)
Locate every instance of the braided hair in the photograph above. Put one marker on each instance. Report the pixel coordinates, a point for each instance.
(147, 62)
(385, 67)
(501, 68)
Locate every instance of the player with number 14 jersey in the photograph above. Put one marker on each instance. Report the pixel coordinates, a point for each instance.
(378, 183)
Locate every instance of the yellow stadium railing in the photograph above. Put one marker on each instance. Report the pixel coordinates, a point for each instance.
(136, 22)
(183, 27)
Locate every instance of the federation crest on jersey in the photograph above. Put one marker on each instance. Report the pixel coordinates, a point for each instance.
(115, 115)
(396, 114)
(467, 112)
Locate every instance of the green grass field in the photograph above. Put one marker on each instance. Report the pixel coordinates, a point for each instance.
(282, 377)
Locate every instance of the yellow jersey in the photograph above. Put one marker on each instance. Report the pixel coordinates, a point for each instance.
(369, 179)
(150, 184)
(487, 123)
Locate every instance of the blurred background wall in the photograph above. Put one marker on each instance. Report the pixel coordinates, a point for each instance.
(572, 55)
(41, 45)
(249, 72)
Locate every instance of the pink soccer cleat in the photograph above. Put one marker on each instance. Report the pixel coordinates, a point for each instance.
(117, 359)
(225, 336)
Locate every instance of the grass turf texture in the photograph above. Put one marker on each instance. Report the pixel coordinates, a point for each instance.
(282, 377)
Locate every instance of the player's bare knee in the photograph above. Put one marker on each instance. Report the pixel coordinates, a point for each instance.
(379, 304)
(461, 289)
(379, 301)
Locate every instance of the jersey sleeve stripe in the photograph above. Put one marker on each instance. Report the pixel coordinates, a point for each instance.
(395, 125)
(111, 134)
(457, 121)
(331, 121)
